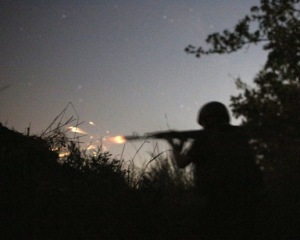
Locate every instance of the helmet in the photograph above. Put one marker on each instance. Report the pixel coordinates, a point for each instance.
(213, 113)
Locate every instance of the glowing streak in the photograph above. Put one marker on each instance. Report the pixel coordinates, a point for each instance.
(94, 124)
(91, 147)
(63, 154)
(117, 139)
(77, 130)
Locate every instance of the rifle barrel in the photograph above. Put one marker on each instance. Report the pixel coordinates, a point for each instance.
(182, 135)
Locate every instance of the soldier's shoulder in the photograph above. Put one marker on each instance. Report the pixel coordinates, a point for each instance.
(226, 128)
(235, 129)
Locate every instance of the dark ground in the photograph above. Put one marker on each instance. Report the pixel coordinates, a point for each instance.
(41, 199)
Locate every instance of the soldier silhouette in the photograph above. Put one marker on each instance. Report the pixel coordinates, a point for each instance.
(225, 172)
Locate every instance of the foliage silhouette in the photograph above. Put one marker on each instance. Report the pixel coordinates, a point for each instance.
(270, 109)
(79, 196)
(91, 197)
(46, 199)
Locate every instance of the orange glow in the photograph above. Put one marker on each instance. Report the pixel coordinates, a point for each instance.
(64, 154)
(117, 139)
(77, 130)
(91, 147)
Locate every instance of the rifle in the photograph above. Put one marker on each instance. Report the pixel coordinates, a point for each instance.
(181, 135)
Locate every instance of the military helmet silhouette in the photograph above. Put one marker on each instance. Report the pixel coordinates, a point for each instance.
(213, 113)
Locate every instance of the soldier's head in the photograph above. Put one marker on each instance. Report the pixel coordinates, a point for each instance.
(213, 114)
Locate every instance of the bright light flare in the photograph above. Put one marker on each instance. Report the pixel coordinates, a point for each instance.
(117, 139)
(77, 130)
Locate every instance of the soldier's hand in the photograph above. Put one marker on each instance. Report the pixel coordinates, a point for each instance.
(177, 146)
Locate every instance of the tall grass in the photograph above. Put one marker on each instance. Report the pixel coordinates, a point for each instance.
(90, 195)
(83, 195)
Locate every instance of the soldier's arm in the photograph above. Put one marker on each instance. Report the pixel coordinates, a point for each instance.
(181, 159)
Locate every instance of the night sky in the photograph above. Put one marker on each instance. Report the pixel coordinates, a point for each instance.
(121, 63)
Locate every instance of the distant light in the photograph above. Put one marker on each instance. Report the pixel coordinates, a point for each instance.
(77, 130)
(94, 124)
